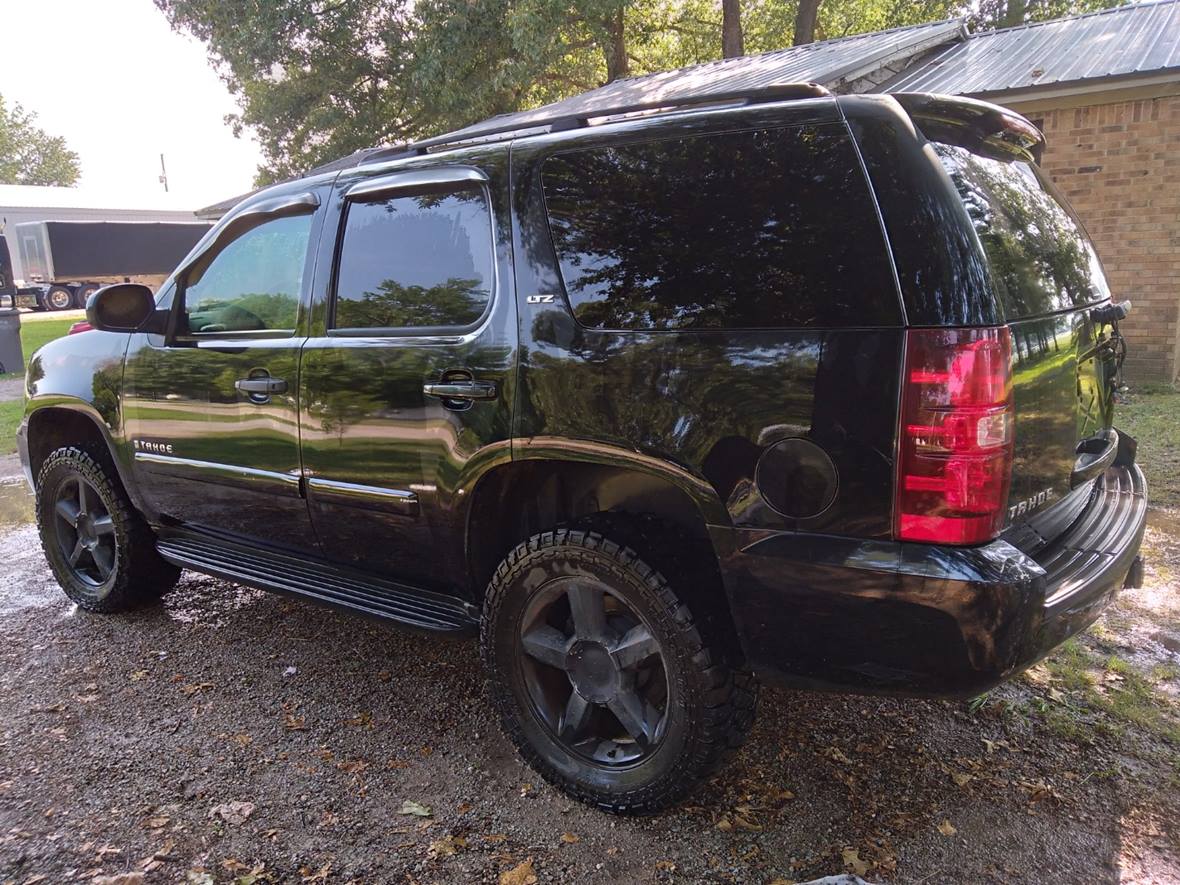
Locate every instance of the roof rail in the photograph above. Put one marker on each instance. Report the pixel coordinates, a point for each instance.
(509, 126)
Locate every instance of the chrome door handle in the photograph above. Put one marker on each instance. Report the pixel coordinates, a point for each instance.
(264, 385)
(464, 390)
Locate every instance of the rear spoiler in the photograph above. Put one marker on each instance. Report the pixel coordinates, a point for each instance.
(979, 126)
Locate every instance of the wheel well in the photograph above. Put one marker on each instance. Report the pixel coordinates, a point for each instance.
(647, 513)
(52, 428)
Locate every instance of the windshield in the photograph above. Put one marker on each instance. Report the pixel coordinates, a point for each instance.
(1040, 257)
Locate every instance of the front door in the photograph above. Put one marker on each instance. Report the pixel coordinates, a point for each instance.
(212, 408)
(407, 380)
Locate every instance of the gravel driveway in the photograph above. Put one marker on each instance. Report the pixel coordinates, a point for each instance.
(236, 736)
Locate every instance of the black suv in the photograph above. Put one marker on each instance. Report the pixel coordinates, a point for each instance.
(800, 387)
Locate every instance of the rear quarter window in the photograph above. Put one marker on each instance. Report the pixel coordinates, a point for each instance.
(1040, 258)
(757, 229)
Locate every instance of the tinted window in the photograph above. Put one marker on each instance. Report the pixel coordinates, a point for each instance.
(253, 284)
(415, 261)
(1040, 258)
(750, 229)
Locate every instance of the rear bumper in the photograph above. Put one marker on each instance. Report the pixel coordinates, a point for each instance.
(915, 619)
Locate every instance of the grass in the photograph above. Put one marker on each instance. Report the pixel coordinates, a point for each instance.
(35, 334)
(10, 415)
(1153, 417)
(32, 336)
(1122, 695)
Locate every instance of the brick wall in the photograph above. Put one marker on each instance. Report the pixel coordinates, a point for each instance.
(1114, 165)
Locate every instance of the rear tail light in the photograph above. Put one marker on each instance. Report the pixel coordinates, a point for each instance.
(956, 434)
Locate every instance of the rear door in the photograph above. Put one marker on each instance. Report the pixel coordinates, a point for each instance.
(1046, 278)
(407, 382)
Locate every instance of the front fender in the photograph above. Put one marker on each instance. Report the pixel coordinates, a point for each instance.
(79, 375)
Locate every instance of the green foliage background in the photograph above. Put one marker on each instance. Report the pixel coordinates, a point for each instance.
(30, 156)
(319, 79)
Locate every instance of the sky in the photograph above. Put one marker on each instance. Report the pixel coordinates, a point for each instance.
(121, 87)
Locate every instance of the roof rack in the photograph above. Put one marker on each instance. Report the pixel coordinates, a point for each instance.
(538, 122)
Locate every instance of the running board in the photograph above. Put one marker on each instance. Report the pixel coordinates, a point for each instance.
(336, 586)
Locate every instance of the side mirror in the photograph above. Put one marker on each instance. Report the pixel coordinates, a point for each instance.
(123, 307)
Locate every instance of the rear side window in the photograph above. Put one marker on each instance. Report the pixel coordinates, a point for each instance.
(1040, 258)
(756, 229)
(422, 260)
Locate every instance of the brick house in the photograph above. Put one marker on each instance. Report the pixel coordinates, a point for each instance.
(1105, 89)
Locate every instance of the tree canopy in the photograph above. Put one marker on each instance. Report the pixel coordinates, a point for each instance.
(318, 79)
(30, 156)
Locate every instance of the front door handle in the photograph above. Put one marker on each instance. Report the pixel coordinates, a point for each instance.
(265, 385)
(464, 390)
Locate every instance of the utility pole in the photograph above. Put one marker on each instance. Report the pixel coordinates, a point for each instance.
(163, 174)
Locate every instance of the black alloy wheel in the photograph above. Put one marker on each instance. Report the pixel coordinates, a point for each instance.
(603, 679)
(101, 550)
(85, 531)
(594, 672)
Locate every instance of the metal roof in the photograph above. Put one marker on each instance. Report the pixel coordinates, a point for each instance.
(829, 63)
(1137, 39)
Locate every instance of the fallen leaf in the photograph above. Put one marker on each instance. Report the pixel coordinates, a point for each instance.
(119, 879)
(356, 766)
(164, 851)
(415, 808)
(233, 812)
(525, 789)
(295, 723)
(198, 877)
(777, 795)
(1056, 694)
(447, 846)
(233, 865)
(157, 823)
(961, 779)
(320, 875)
(947, 828)
(852, 860)
(570, 838)
(521, 874)
(363, 719)
(665, 866)
(836, 755)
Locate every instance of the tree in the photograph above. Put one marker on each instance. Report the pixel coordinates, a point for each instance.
(319, 79)
(732, 44)
(29, 156)
(805, 19)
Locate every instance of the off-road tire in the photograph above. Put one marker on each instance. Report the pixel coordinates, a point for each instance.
(139, 576)
(714, 702)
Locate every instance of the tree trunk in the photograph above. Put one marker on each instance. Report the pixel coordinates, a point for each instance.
(615, 49)
(805, 21)
(732, 44)
(1014, 13)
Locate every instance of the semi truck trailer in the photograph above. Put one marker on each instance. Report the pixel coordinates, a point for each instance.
(66, 261)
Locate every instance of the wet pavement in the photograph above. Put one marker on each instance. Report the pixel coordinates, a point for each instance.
(231, 733)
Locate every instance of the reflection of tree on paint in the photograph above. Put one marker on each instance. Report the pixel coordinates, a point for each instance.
(720, 231)
(1039, 256)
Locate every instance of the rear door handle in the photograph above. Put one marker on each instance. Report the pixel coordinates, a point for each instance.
(265, 386)
(464, 390)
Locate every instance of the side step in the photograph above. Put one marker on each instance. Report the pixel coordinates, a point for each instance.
(318, 581)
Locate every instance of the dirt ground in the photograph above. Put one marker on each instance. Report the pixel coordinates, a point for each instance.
(235, 736)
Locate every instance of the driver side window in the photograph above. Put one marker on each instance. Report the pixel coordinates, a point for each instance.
(253, 284)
